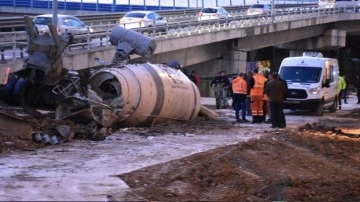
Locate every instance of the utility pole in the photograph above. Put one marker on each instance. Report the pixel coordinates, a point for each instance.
(272, 11)
(54, 12)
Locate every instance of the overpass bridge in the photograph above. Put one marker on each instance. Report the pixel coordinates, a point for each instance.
(224, 45)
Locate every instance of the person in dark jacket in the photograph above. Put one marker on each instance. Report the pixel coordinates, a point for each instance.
(276, 90)
(221, 85)
(248, 98)
(358, 89)
(194, 77)
(283, 121)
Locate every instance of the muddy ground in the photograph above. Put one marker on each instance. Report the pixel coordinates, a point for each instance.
(315, 162)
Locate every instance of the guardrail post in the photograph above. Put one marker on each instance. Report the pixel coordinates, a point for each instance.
(154, 28)
(21, 52)
(14, 46)
(107, 35)
(88, 38)
(2, 55)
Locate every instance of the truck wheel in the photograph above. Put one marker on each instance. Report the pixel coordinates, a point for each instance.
(319, 111)
(334, 105)
(6, 91)
(19, 91)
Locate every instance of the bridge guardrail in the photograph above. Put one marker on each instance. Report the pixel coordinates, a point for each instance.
(15, 41)
(16, 23)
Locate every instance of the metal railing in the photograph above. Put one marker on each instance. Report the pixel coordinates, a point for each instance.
(13, 44)
(16, 23)
(113, 6)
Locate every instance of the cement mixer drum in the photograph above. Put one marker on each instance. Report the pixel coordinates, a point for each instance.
(142, 94)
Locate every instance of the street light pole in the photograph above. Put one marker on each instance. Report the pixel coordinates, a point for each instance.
(54, 12)
(272, 11)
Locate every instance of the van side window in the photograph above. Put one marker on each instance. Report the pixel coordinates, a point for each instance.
(329, 73)
(327, 76)
(326, 73)
(332, 69)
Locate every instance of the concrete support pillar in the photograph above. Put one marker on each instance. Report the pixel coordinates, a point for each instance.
(294, 53)
(332, 39)
(232, 62)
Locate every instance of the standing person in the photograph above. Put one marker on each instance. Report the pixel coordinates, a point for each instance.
(194, 77)
(248, 78)
(267, 110)
(358, 89)
(257, 85)
(276, 90)
(346, 90)
(220, 84)
(239, 88)
(341, 88)
(265, 98)
(283, 120)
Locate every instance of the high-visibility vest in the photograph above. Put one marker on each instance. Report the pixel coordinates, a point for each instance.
(259, 82)
(239, 85)
(341, 84)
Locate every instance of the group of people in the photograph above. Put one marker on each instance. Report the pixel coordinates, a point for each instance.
(258, 94)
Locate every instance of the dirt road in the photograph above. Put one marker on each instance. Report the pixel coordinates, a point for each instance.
(200, 160)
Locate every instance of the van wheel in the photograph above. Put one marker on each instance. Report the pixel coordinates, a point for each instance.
(319, 111)
(334, 105)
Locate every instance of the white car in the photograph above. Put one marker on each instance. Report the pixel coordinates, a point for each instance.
(259, 9)
(211, 13)
(136, 19)
(66, 24)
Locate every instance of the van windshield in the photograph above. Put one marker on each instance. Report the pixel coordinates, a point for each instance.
(300, 74)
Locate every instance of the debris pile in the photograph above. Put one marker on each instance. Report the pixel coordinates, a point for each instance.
(85, 103)
(27, 128)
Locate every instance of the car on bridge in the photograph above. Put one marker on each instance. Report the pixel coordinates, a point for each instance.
(259, 9)
(211, 13)
(66, 24)
(138, 19)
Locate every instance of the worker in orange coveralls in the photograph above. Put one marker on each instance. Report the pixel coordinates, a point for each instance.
(257, 85)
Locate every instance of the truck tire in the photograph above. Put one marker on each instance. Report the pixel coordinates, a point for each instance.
(6, 91)
(18, 91)
(319, 111)
(334, 105)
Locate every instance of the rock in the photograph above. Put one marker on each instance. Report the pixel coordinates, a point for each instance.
(8, 143)
(65, 131)
(45, 139)
(103, 131)
(36, 137)
(54, 140)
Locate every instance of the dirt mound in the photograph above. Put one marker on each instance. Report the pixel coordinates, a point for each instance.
(290, 165)
(353, 114)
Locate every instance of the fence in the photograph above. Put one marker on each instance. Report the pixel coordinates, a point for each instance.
(81, 5)
(114, 6)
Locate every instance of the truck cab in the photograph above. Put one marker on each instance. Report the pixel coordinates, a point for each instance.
(312, 82)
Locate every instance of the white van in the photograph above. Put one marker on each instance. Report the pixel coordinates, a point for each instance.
(312, 82)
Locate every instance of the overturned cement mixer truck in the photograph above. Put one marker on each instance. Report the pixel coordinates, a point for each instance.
(119, 94)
